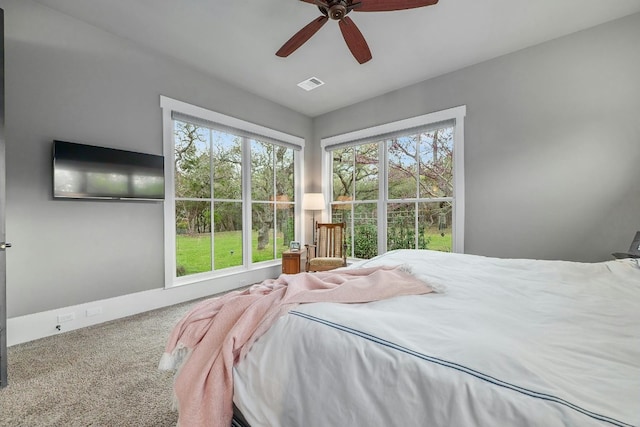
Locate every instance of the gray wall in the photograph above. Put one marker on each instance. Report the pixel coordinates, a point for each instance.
(68, 80)
(552, 143)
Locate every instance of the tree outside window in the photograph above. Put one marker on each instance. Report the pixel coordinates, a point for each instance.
(209, 198)
(416, 196)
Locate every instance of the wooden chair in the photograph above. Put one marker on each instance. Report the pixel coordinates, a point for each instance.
(329, 250)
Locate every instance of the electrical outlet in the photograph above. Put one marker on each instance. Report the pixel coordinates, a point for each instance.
(68, 317)
(93, 311)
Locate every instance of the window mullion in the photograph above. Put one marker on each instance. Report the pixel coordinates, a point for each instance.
(416, 214)
(416, 225)
(212, 202)
(247, 202)
(274, 211)
(383, 160)
(353, 202)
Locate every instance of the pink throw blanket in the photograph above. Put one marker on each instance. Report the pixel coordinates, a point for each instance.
(216, 333)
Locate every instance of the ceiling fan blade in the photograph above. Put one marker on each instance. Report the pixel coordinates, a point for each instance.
(301, 36)
(322, 3)
(355, 40)
(389, 5)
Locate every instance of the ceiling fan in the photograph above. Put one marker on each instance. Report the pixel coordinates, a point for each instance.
(338, 10)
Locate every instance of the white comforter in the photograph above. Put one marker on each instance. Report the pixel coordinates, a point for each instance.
(503, 343)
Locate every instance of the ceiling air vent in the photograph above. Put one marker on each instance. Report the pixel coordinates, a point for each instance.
(311, 83)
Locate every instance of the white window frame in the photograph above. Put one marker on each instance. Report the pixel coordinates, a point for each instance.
(169, 105)
(456, 113)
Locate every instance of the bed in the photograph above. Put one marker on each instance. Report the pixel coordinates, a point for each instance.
(502, 342)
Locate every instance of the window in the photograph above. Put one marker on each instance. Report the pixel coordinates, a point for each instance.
(272, 196)
(408, 173)
(231, 193)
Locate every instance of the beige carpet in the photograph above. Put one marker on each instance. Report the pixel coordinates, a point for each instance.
(105, 375)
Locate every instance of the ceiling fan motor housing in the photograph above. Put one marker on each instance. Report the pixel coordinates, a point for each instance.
(337, 11)
(334, 9)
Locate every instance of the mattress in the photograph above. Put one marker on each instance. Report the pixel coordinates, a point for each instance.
(503, 342)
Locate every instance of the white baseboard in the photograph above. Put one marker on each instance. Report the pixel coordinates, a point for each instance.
(39, 325)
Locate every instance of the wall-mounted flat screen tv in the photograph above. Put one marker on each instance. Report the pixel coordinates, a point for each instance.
(83, 171)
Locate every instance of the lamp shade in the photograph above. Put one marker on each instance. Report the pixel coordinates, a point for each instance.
(313, 201)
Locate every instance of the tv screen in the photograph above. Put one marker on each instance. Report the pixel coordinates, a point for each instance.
(83, 171)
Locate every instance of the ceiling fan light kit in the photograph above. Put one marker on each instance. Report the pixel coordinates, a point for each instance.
(338, 10)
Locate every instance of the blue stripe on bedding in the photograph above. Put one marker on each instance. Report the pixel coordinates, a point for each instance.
(462, 368)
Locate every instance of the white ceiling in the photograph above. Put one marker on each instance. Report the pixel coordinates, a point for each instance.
(236, 41)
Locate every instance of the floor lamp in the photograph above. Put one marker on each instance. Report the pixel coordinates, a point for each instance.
(313, 202)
